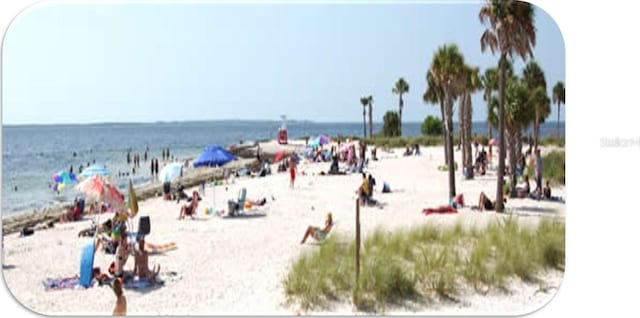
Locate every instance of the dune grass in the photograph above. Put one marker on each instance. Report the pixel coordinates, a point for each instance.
(424, 262)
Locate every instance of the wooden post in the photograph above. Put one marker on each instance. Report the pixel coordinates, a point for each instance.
(357, 240)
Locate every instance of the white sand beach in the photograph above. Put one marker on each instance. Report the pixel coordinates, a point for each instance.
(237, 265)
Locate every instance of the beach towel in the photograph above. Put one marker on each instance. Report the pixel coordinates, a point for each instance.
(137, 284)
(61, 283)
(441, 210)
(159, 248)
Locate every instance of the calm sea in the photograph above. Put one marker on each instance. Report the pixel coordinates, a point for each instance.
(31, 154)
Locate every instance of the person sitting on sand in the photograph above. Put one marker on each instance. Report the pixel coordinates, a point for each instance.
(190, 209)
(122, 255)
(105, 227)
(120, 308)
(484, 203)
(73, 213)
(141, 267)
(525, 190)
(547, 191)
(180, 194)
(364, 189)
(317, 233)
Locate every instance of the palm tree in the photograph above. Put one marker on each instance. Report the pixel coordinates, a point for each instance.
(434, 95)
(490, 84)
(363, 101)
(471, 83)
(534, 78)
(558, 98)
(447, 71)
(370, 103)
(401, 87)
(518, 116)
(510, 30)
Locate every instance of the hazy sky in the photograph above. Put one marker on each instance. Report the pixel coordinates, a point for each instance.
(82, 63)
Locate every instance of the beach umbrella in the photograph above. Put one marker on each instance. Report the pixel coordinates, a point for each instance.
(213, 156)
(62, 179)
(170, 172)
(94, 170)
(99, 189)
(323, 139)
(133, 200)
(492, 142)
(279, 156)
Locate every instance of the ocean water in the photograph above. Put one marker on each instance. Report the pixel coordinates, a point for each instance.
(32, 154)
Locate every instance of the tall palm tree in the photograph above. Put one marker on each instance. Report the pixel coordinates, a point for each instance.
(534, 78)
(510, 29)
(364, 101)
(558, 98)
(434, 95)
(447, 70)
(471, 83)
(401, 87)
(490, 84)
(370, 103)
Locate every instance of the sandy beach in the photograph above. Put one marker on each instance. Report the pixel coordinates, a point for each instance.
(237, 265)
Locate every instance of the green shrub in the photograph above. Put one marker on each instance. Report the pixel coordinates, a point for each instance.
(432, 126)
(391, 124)
(553, 167)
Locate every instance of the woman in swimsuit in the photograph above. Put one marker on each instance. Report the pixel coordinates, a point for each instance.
(318, 233)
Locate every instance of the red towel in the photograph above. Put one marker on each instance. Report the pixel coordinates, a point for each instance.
(443, 209)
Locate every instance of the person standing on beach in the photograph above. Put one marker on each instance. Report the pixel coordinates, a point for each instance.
(163, 155)
(538, 173)
(292, 171)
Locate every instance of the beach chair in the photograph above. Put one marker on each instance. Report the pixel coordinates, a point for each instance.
(236, 206)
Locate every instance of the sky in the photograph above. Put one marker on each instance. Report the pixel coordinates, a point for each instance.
(148, 62)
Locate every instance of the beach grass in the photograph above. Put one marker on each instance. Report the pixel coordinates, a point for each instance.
(423, 263)
(553, 168)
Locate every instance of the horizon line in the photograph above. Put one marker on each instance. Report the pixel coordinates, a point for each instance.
(212, 121)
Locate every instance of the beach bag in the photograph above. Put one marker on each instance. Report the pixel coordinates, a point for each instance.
(386, 188)
(144, 225)
(26, 231)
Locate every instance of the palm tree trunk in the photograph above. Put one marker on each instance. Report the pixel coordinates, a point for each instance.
(364, 122)
(400, 116)
(512, 162)
(558, 122)
(501, 144)
(488, 98)
(467, 124)
(444, 135)
(536, 130)
(461, 130)
(370, 121)
(451, 163)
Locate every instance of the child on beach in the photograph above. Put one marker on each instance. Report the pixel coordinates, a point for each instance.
(317, 233)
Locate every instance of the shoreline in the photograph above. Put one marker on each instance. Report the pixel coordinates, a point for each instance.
(246, 156)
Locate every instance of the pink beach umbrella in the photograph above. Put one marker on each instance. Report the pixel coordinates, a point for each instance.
(99, 189)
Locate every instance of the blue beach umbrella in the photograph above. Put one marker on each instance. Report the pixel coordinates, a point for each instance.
(94, 170)
(213, 156)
